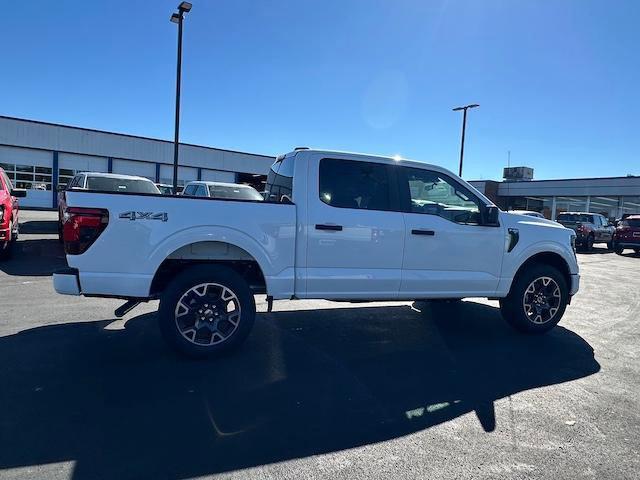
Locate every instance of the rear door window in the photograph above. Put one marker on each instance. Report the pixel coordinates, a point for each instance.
(190, 190)
(358, 185)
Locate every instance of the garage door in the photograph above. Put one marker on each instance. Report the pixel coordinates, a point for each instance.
(141, 169)
(185, 174)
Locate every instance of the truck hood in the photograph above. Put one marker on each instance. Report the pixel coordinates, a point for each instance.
(514, 220)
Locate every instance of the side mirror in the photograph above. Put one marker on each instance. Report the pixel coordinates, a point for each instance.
(489, 216)
(18, 192)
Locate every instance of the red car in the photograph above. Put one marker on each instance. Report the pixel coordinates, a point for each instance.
(627, 234)
(8, 213)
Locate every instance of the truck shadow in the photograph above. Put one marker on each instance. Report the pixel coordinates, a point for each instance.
(34, 257)
(120, 405)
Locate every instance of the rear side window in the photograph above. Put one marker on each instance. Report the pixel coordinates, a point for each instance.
(349, 184)
(190, 190)
(201, 191)
(279, 185)
(631, 222)
(108, 184)
(234, 192)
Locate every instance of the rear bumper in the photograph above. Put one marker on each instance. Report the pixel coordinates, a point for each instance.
(628, 244)
(575, 284)
(66, 281)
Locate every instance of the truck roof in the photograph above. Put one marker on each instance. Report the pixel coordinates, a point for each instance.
(395, 160)
(114, 175)
(219, 184)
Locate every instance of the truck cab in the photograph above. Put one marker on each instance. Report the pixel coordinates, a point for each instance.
(332, 225)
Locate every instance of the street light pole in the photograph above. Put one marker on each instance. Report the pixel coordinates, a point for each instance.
(178, 18)
(464, 127)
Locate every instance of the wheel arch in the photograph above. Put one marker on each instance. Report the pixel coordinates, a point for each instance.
(545, 258)
(214, 253)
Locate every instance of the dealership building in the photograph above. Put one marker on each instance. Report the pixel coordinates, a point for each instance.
(41, 156)
(612, 197)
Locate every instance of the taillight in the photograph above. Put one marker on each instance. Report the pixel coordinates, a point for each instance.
(81, 227)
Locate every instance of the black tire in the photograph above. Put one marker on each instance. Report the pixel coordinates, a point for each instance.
(636, 250)
(589, 243)
(618, 249)
(610, 245)
(6, 248)
(229, 338)
(513, 306)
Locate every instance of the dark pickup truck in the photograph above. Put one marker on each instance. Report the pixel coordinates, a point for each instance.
(590, 228)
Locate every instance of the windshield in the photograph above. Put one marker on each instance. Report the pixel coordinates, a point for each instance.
(631, 222)
(131, 185)
(237, 192)
(575, 217)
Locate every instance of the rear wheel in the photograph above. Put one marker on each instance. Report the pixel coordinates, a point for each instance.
(636, 250)
(537, 300)
(618, 249)
(206, 311)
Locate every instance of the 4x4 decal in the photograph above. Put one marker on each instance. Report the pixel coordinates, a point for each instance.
(163, 216)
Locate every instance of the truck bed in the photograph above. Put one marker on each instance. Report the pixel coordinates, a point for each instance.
(144, 230)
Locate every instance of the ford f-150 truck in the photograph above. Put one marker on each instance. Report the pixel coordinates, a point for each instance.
(332, 225)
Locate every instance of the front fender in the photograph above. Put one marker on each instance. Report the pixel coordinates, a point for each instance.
(514, 260)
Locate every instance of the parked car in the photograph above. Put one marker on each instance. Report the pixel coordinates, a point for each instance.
(9, 214)
(336, 226)
(590, 228)
(627, 234)
(165, 189)
(101, 182)
(221, 190)
(528, 213)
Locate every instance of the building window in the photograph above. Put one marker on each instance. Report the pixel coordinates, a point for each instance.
(28, 176)
(256, 181)
(571, 204)
(605, 206)
(630, 205)
(543, 205)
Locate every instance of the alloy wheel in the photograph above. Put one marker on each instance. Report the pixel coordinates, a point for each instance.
(541, 300)
(207, 314)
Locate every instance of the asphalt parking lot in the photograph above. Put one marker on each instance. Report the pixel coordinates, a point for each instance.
(320, 389)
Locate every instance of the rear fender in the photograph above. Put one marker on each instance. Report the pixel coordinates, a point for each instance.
(214, 234)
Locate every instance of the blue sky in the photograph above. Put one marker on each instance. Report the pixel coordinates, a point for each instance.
(557, 80)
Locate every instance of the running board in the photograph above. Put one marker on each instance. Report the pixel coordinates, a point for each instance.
(126, 307)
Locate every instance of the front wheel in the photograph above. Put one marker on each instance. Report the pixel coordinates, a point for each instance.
(537, 300)
(589, 244)
(206, 311)
(6, 247)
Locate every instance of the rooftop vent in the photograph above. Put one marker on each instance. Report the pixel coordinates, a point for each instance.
(517, 174)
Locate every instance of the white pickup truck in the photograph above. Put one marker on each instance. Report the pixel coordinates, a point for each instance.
(337, 226)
